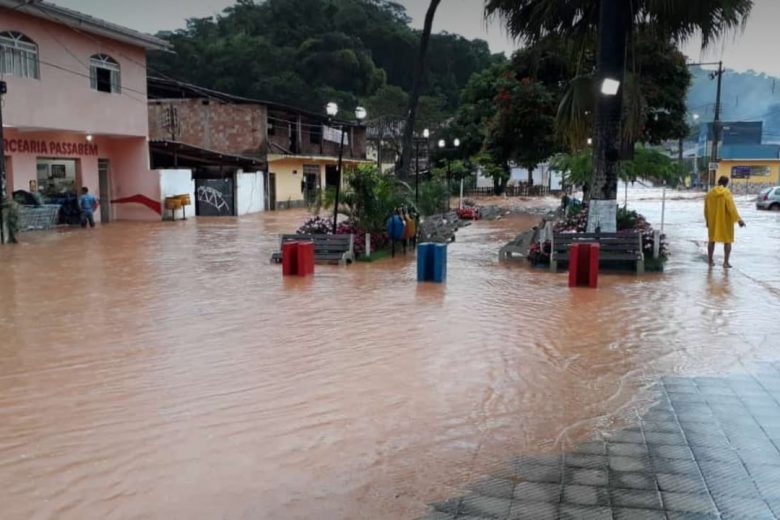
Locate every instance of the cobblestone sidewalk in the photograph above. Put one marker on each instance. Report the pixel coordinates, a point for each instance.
(709, 449)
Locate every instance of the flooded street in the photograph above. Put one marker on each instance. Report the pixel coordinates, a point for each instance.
(168, 371)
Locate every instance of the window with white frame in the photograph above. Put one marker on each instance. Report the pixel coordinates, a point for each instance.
(104, 74)
(18, 55)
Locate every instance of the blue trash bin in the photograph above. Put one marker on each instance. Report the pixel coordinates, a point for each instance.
(432, 263)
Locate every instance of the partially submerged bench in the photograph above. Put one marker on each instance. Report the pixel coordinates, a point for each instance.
(615, 247)
(328, 249)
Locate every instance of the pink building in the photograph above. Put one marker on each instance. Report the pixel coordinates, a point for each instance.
(76, 109)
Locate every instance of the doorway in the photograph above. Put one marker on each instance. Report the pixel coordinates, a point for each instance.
(104, 189)
(331, 176)
(272, 192)
(58, 182)
(311, 187)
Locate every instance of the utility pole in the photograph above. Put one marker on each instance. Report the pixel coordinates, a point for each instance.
(716, 124)
(4, 235)
(174, 129)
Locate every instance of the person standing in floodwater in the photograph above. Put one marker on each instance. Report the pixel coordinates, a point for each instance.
(88, 204)
(721, 214)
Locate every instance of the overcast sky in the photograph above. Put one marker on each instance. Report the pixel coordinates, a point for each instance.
(753, 49)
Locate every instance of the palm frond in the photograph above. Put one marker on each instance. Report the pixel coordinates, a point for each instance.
(573, 121)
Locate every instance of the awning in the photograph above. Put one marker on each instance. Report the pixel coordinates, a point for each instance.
(172, 154)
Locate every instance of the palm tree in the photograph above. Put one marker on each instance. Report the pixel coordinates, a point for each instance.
(616, 22)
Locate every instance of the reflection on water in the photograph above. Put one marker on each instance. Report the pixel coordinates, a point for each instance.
(168, 371)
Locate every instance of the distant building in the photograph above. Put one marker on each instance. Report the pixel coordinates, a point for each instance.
(297, 150)
(751, 168)
(732, 134)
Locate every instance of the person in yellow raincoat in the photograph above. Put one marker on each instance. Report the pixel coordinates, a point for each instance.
(721, 214)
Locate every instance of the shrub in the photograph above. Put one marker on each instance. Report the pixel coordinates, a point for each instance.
(316, 226)
(577, 222)
(433, 198)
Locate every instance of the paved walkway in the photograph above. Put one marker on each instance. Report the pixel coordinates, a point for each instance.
(709, 449)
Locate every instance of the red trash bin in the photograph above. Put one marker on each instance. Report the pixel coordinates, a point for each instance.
(584, 265)
(305, 258)
(290, 258)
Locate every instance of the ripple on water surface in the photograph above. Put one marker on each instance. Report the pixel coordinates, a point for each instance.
(168, 371)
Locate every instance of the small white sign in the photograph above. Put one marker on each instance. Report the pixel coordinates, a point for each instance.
(334, 135)
(714, 166)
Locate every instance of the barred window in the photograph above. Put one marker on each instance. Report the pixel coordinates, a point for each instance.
(18, 55)
(104, 74)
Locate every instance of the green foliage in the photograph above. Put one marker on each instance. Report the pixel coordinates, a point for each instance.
(648, 164)
(523, 130)
(577, 167)
(532, 20)
(307, 52)
(478, 107)
(433, 198)
(369, 198)
(500, 173)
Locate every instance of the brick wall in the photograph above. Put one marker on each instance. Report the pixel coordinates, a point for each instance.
(210, 124)
(242, 129)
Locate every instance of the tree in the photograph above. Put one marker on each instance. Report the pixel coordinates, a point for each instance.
(523, 130)
(308, 52)
(648, 163)
(414, 96)
(615, 21)
(488, 168)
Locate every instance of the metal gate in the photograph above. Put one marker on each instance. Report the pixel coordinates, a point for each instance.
(215, 197)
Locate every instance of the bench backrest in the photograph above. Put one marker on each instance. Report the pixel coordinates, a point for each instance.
(630, 241)
(324, 243)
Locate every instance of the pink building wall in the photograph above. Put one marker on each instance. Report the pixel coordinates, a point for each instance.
(129, 173)
(62, 98)
(61, 107)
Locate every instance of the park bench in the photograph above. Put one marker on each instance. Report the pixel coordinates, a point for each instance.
(328, 249)
(615, 247)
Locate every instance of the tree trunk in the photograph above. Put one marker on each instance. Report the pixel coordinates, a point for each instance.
(614, 20)
(414, 97)
(530, 177)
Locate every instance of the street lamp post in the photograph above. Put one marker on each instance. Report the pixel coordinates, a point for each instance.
(425, 137)
(332, 109)
(443, 147)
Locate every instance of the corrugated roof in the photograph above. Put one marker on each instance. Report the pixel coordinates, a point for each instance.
(84, 22)
(160, 89)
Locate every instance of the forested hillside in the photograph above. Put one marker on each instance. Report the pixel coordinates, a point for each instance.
(308, 52)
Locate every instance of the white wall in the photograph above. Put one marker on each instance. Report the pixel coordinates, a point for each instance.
(177, 182)
(542, 176)
(250, 192)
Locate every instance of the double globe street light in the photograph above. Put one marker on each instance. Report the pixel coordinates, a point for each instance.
(443, 146)
(332, 109)
(426, 135)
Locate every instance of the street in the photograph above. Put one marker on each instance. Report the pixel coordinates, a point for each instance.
(168, 371)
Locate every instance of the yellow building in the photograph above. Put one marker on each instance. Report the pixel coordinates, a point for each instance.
(750, 168)
(295, 180)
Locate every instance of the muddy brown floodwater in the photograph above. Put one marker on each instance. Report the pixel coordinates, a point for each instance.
(168, 371)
